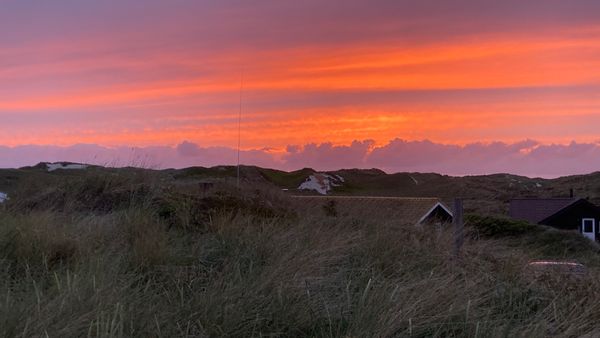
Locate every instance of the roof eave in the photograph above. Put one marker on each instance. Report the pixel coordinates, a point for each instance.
(428, 213)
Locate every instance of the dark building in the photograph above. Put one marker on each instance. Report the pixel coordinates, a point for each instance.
(562, 213)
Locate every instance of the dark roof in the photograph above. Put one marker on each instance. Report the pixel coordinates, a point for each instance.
(535, 210)
(409, 210)
(577, 203)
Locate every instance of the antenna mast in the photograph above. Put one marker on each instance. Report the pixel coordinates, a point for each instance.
(239, 128)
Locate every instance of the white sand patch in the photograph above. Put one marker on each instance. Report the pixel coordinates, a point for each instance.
(3, 197)
(70, 166)
(321, 183)
(538, 185)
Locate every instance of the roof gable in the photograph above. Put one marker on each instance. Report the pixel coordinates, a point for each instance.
(441, 207)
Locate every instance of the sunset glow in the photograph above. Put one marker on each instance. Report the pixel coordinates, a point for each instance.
(158, 73)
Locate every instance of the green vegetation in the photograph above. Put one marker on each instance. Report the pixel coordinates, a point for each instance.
(287, 180)
(201, 172)
(490, 226)
(562, 244)
(542, 241)
(128, 253)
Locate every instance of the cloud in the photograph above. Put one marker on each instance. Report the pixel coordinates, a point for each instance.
(188, 149)
(327, 156)
(528, 157)
(185, 154)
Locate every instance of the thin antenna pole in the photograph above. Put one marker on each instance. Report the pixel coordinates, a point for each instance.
(240, 128)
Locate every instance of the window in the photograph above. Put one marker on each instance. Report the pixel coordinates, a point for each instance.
(588, 225)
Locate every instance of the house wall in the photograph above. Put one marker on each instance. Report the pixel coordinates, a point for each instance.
(572, 217)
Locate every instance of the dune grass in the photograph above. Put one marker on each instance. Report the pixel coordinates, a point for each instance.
(114, 256)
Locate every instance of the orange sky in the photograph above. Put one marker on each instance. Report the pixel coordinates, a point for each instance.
(159, 75)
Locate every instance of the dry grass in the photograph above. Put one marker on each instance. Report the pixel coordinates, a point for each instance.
(128, 271)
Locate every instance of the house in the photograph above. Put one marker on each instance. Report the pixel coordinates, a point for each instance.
(406, 210)
(562, 213)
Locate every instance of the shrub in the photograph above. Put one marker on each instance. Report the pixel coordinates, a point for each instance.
(187, 211)
(562, 243)
(98, 192)
(498, 227)
(183, 211)
(37, 239)
(146, 236)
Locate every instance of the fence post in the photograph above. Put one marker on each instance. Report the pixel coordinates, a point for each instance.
(458, 221)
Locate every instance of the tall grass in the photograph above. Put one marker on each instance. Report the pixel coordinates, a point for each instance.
(246, 268)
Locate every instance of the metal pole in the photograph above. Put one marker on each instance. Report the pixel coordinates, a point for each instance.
(458, 221)
(239, 129)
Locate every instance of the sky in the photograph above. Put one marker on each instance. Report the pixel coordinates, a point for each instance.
(458, 87)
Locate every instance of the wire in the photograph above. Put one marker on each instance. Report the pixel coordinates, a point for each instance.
(240, 128)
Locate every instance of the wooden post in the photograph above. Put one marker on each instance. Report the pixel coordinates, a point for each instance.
(459, 235)
(203, 188)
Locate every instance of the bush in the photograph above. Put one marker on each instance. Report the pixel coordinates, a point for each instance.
(37, 239)
(498, 227)
(147, 238)
(97, 192)
(562, 243)
(184, 210)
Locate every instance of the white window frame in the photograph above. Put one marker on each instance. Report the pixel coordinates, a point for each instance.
(593, 225)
